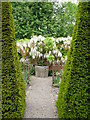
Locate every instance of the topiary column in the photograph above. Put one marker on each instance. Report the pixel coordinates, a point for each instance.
(13, 86)
(74, 90)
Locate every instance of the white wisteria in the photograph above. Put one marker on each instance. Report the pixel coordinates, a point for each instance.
(37, 48)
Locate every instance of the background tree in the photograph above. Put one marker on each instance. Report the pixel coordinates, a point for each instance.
(13, 86)
(64, 19)
(73, 96)
(43, 18)
(32, 18)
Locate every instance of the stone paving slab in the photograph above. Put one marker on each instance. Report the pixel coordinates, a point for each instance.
(41, 99)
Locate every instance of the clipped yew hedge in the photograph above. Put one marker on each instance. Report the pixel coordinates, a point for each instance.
(13, 86)
(73, 98)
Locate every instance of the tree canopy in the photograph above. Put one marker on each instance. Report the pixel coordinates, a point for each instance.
(43, 18)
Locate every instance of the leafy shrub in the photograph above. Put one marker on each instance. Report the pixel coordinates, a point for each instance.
(74, 90)
(27, 70)
(13, 86)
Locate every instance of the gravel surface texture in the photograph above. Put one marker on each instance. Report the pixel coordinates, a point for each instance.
(41, 99)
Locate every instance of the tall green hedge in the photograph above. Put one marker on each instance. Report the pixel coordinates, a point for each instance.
(74, 90)
(0, 60)
(13, 86)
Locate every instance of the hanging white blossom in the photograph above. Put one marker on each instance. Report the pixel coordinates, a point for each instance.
(49, 52)
(18, 44)
(30, 53)
(33, 57)
(22, 60)
(58, 61)
(24, 45)
(57, 40)
(59, 54)
(65, 58)
(21, 47)
(62, 59)
(54, 51)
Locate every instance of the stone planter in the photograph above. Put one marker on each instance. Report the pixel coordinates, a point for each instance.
(41, 71)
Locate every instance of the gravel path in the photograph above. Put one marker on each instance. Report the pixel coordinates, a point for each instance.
(41, 99)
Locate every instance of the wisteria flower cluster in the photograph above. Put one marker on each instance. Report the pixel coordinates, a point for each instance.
(43, 50)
